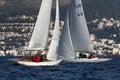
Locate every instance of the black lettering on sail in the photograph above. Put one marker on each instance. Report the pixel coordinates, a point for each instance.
(80, 14)
(77, 6)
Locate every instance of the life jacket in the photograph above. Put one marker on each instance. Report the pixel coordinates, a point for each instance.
(91, 57)
(36, 59)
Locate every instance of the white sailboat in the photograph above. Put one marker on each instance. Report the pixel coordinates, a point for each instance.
(75, 35)
(40, 35)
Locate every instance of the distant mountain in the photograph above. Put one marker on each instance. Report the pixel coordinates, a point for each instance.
(93, 8)
(20, 7)
(27, 3)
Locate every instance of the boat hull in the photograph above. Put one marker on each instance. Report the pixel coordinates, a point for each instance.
(87, 60)
(30, 63)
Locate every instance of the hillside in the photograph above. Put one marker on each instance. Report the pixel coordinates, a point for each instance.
(93, 8)
(28, 7)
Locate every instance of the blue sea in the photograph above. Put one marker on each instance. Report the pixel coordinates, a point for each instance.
(64, 71)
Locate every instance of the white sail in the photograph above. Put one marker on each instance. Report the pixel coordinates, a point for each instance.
(40, 37)
(75, 35)
(65, 45)
(78, 28)
(52, 53)
(40, 33)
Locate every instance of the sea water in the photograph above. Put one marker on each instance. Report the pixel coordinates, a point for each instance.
(64, 71)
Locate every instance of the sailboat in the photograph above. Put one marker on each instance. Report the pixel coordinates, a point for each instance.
(39, 38)
(75, 36)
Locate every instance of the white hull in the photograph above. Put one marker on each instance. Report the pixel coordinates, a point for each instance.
(87, 60)
(28, 63)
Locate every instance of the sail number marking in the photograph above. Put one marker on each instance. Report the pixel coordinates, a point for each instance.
(80, 14)
(76, 6)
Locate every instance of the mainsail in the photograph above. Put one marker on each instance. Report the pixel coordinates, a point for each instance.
(75, 35)
(40, 33)
(78, 28)
(52, 53)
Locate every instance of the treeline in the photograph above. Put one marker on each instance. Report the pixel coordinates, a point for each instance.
(93, 8)
(101, 9)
